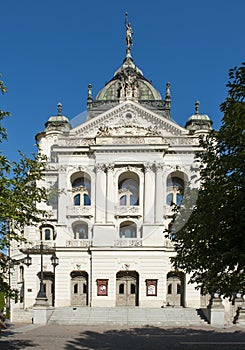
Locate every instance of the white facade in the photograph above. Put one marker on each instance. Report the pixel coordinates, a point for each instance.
(116, 174)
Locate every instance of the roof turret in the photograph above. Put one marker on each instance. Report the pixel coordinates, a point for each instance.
(198, 121)
(58, 122)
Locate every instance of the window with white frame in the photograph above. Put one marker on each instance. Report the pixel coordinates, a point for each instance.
(128, 189)
(175, 188)
(81, 189)
(80, 230)
(128, 229)
(47, 233)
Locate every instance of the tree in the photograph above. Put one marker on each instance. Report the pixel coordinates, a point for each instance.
(210, 245)
(19, 195)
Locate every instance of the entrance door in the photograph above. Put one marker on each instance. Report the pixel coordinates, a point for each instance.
(79, 288)
(174, 290)
(127, 288)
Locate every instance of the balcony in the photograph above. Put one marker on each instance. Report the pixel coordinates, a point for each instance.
(85, 211)
(78, 243)
(34, 246)
(131, 211)
(128, 242)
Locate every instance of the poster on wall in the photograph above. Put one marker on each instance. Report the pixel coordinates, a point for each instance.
(151, 287)
(102, 287)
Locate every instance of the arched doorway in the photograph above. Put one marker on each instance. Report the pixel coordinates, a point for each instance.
(175, 289)
(79, 288)
(127, 288)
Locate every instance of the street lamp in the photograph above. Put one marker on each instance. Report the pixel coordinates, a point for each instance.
(27, 260)
(41, 299)
(55, 262)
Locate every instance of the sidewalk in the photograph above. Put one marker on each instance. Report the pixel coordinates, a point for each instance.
(101, 337)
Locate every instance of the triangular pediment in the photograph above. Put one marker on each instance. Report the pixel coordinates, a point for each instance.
(128, 119)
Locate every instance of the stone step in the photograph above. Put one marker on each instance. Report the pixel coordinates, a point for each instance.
(21, 315)
(126, 316)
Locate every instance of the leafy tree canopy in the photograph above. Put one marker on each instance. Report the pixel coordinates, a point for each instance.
(210, 244)
(18, 198)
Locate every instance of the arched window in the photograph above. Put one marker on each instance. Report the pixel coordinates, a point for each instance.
(128, 189)
(81, 189)
(128, 229)
(47, 233)
(80, 230)
(175, 188)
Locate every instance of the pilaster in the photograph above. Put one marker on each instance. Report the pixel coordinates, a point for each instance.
(110, 193)
(149, 193)
(100, 194)
(159, 194)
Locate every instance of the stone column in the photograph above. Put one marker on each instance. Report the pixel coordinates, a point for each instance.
(159, 200)
(100, 193)
(149, 193)
(110, 194)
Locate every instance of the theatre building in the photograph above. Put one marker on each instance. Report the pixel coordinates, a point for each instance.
(112, 177)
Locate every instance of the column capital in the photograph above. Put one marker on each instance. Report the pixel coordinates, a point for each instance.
(148, 167)
(110, 167)
(100, 168)
(159, 167)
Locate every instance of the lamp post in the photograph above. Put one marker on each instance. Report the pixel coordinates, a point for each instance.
(54, 261)
(41, 299)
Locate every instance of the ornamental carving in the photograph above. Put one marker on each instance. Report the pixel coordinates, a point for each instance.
(78, 243)
(110, 167)
(159, 167)
(76, 142)
(128, 87)
(149, 167)
(99, 168)
(127, 243)
(117, 117)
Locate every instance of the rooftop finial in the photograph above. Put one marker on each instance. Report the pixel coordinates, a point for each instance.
(129, 33)
(59, 108)
(90, 96)
(168, 97)
(197, 104)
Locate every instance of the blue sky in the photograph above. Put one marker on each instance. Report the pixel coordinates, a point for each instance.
(50, 51)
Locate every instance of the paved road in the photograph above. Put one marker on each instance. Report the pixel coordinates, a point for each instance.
(57, 337)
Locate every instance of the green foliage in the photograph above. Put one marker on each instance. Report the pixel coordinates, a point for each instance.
(19, 195)
(2, 301)
(3, 131)
(211, 244)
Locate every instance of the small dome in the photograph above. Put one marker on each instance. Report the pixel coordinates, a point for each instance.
(58, 122)
(198, 121)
